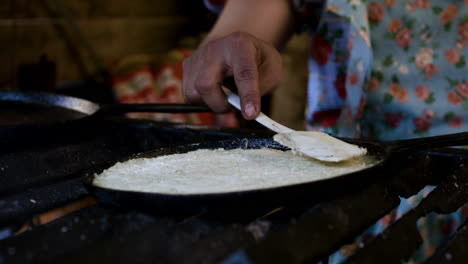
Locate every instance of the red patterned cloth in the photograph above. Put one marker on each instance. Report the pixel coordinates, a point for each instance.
(146, 79)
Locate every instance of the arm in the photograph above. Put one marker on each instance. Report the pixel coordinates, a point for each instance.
(268, 20)
(243, 43)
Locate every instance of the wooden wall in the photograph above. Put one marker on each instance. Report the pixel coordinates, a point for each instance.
(113, 28)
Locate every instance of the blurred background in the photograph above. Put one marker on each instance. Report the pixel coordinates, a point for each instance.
(123, 51)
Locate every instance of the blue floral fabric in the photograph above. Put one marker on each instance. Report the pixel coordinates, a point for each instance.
(389, 69)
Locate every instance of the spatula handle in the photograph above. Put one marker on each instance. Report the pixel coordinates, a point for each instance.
(271, 124)
(152, 108)
(234, 100)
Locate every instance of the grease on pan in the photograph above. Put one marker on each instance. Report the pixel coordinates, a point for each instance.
(207, 171)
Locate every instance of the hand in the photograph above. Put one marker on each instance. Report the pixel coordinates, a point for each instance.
(254, 64)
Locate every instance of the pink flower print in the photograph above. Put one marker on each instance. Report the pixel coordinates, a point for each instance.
(460, 44)
(400, 93)
(455, 122)
(462, 88)
(452, 56)
(394, 25)
(423, 58)
(430, 70)
(390, 3)
(463, 30)
(428, 113)
(353, 78)
(403, 38)
(422, 4)
(321, 49)
(453, 98)
(421, 124)
(409, 6)
(393, 119)
(373, 84)
(403, 69)
(422, 92)
(388, 219)
(376, 11)
(449, 13)
(326, 118)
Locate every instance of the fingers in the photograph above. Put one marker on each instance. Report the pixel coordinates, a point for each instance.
(202, 77)
(208, 85)
(210, 75)
(254, 64)
(245, 71)
(190, 94)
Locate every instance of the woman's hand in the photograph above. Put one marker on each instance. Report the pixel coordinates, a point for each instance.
(254, 64)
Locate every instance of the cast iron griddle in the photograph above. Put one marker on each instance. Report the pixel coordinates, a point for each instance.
(161, 203)
(241, 200)
(21, 113)
(33, 107)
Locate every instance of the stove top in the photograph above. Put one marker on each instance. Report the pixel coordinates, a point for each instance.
(48, 216)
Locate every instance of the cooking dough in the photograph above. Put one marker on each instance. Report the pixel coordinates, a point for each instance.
(216, 171)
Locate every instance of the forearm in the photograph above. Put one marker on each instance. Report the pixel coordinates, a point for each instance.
(269, 20)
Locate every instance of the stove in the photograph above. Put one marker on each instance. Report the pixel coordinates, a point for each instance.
(47, 215)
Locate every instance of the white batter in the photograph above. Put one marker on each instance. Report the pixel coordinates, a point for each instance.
(216, 171)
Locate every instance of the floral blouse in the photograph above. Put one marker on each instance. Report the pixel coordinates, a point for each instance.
(389, 69)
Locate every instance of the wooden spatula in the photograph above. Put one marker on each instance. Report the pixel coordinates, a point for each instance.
(317, 145)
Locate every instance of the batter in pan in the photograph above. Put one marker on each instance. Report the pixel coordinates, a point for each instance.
(216, 171)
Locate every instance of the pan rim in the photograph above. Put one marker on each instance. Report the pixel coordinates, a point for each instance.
(69, 102)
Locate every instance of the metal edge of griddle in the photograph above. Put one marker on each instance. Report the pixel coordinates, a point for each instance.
(49, 99)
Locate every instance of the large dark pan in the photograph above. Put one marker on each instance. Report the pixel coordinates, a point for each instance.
(27, 118)
(263, 199)
(46, 107)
